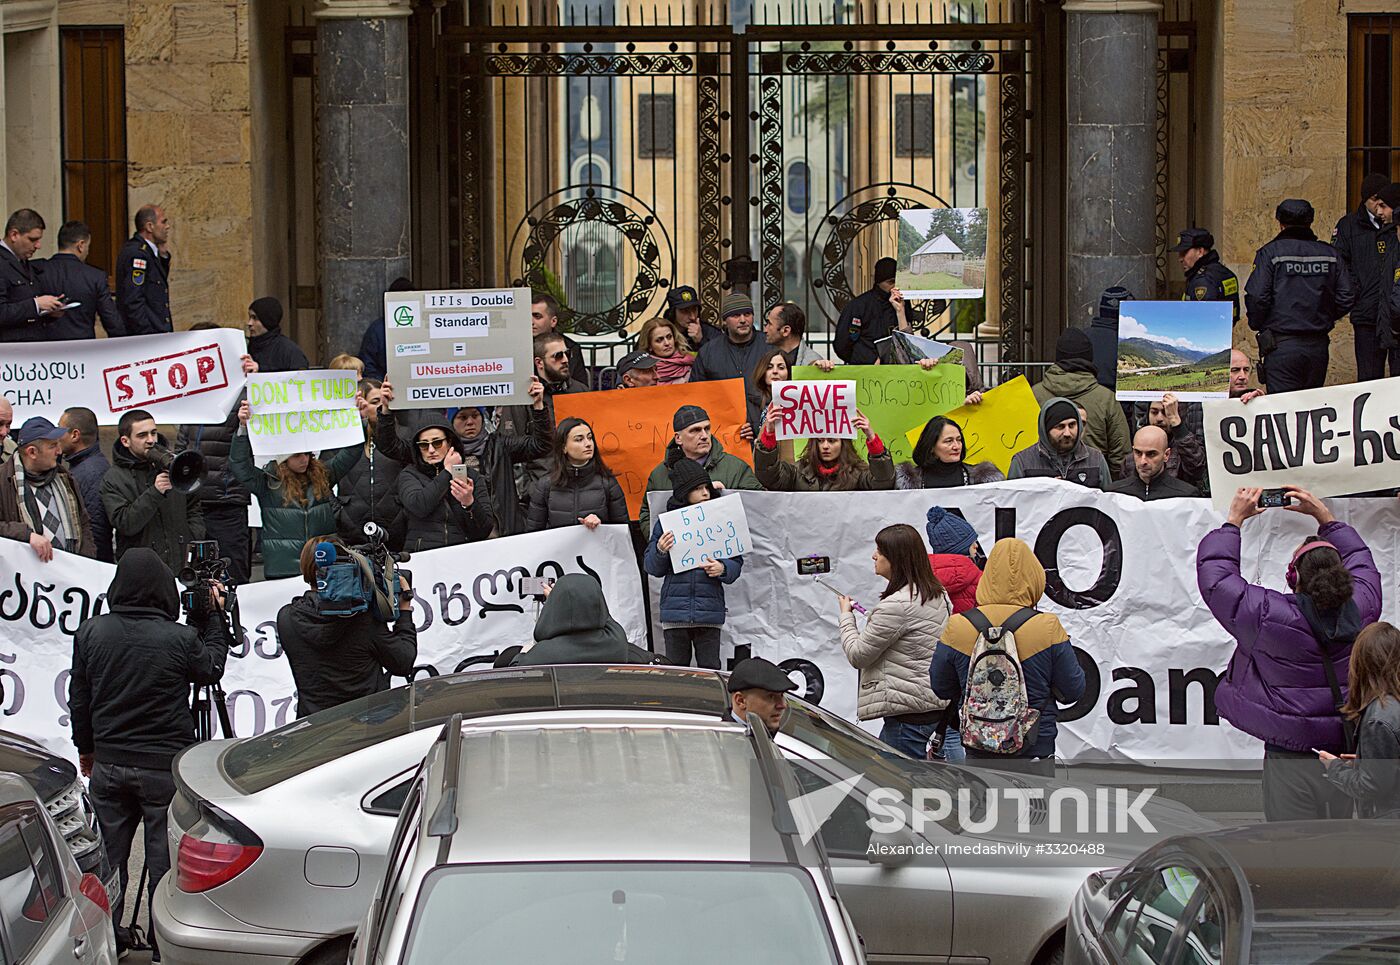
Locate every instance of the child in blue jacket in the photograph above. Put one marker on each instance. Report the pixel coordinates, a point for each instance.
(692, 603)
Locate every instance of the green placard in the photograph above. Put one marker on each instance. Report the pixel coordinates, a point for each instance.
(896, 398)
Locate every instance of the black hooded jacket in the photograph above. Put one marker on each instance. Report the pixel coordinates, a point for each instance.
(856, 344)
(576, 627)
(335, 659)
(1363, 245)
(129, 693)
(141, 515)
(435, 519)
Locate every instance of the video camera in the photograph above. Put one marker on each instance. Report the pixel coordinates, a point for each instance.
(203, 568)
(361, 579)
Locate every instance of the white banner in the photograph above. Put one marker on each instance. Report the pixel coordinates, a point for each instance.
(1333, 441)
(1122, 578)
(302, 412)
(184, 377)
(467, 604)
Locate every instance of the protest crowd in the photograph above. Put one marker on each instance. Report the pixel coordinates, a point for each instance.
(1314, 674)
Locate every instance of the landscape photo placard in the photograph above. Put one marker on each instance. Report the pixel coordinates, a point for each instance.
(942, 253)
(1177, 347)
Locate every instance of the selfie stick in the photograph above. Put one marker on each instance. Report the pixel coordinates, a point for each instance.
(854, 605)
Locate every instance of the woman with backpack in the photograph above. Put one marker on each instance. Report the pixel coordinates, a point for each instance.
(892, 653)
(296, 496)
(1372, 777)
(1023, 681)
(1287, 678)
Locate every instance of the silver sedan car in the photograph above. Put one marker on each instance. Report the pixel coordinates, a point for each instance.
(278, 841)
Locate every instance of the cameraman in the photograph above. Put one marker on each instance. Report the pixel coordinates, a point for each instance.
(340, 658)
(129, 696)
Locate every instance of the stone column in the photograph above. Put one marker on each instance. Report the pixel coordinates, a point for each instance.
(363, 205)
(1111, 72)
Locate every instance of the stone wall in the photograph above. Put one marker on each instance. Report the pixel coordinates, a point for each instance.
(189, 141)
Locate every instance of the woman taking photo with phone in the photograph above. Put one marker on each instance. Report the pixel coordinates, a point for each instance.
(442, 498)
(580, 488)
(895, 649)
(1287, 677)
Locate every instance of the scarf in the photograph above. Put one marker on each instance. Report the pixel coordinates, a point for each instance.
(945, 475)
(474, 447)
(674, 369)
(46, 506)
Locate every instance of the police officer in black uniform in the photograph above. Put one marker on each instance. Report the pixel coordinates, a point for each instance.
(1207, 278)
(143, 275)
(85, 287)
(867, 318)
(1297, 291)
(26, 313)
(1364, 238)
(683, 308)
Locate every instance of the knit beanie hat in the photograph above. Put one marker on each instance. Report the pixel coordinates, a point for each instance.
(885, 269)
(735, 303)
(687, 476)
(267, 310)
(1058, 410)
(949, 533)
(1073, 344)
(1390, 194)
(1371, 185)
(687, 415)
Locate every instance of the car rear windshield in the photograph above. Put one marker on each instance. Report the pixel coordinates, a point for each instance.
(260, 762)
(673, 913)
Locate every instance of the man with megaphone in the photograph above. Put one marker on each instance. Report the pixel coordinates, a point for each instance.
(147, 491)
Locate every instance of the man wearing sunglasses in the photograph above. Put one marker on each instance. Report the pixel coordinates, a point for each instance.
(556, 372)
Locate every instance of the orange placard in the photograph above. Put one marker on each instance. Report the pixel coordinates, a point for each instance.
(633, 426)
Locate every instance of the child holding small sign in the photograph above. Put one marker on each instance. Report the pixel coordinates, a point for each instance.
(692, 602)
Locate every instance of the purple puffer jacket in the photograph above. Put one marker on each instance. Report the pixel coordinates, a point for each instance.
(1276, 687)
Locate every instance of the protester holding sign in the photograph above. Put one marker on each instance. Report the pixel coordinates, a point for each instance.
(1286, 679)
(1074, 377)
(826, 465)
(580, 488)
(692, 602)
(440, 494)
(939, 460)
(295, 494)
(369, 491)
(894, 650)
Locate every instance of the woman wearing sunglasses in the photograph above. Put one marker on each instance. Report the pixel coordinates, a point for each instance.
(445, 502)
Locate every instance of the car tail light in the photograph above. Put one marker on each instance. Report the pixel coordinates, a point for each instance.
(214, 851)
(90, 887)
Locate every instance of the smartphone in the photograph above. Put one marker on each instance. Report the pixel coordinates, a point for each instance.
(812, 565)
(1274, 498)
(534, 585)
(72, 305)
(461, 473)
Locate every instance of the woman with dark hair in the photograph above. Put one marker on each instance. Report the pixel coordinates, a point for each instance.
(938, 460)
(294, 495)
(1372, 778)
(580, 487)
(772, 367)
(826, 465)
(445, 502)
(895, 649)
(1286, 679)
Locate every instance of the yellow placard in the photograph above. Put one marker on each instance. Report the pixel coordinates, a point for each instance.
(1004, 423)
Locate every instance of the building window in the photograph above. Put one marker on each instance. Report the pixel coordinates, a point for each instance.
(656, 125)
(913, 125)
(799, 187)
(1373, 107)
(94, 138)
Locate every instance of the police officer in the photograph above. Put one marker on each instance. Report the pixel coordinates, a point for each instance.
(26, 315)
(1385, 351)
(683, 308)
(1365, 238)
(1297, 291)
(143, 275)
(1207, 279)
(68, 273)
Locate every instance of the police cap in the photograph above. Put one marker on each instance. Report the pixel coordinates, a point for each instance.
(682, 297)
(1294, 213)
(1193, 238)
(756, 673)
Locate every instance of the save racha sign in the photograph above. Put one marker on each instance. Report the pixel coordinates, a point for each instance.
(815, 410)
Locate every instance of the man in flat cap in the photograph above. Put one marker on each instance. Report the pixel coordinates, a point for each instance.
(1297, 291)
(1207, 278)
(758, 686)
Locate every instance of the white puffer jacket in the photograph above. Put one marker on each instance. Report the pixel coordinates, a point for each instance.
(893, 654)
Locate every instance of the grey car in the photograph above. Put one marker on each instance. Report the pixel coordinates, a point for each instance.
(51, 912)
(588, 839)
(277, 840)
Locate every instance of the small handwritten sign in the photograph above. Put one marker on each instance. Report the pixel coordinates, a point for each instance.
(716, 529)
(815, 410)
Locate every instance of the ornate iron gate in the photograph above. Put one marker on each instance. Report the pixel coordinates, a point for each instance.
(610, 161)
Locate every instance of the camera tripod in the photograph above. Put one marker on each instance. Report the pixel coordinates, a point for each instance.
(209, 699)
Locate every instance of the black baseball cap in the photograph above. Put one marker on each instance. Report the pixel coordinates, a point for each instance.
(756, 673)
(682, 297)
(635, 360)
(1193, 238)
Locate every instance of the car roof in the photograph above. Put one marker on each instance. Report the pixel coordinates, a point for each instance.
(14, 788)
(1347, 868)
(604, 790)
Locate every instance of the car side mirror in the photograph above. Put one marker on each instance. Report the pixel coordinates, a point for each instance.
(891, 849)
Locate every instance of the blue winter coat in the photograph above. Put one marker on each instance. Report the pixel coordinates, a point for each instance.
(692, 597)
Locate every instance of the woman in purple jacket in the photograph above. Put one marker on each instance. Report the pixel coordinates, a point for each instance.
(1276, 687)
